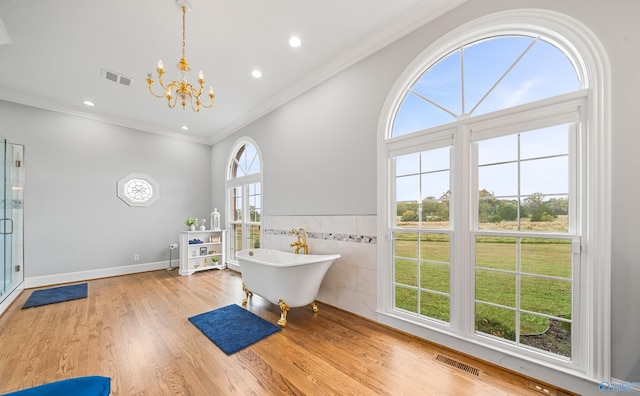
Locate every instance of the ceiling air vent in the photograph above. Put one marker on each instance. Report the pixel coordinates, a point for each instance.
(116, 77)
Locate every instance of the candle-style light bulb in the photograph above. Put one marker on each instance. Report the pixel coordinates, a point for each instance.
(160, 64)
(210, 90)
(201, 75)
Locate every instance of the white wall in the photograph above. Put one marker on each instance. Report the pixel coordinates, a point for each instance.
(304, 153)
(319, 149)
(75, 224)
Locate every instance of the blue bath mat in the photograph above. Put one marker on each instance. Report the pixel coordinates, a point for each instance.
(56, 295)
(233, 328)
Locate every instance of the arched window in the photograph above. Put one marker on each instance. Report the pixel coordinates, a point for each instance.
(244, 197)
(484, 76)
(488, 161)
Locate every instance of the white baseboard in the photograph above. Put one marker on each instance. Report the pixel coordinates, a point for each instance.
(233, 266)
(48, 280)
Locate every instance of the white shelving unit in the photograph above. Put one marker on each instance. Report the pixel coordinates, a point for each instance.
(210, 254)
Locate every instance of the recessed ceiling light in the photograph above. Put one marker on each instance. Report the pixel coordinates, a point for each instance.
(256, 73)
(184, 128)
(88, 103)
(294, 41)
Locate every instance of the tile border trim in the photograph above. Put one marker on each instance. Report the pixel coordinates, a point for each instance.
(327, 236)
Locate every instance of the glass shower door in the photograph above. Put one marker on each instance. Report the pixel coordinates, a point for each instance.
(11, 219)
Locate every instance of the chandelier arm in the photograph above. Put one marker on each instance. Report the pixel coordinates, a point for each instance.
(196, 107)
(175, 100)
(199, 93)
(210, 105)
(193, 92)
(201, 83)
(160, 82)
(172, 89)
(164, 93)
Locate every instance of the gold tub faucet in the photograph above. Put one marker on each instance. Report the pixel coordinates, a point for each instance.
(301, 241)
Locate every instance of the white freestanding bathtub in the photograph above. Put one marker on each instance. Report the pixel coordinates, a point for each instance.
(286, 279)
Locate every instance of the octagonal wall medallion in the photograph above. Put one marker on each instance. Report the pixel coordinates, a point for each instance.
(138, 189)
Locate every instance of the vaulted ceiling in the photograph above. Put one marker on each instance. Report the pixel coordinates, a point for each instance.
(54, 54)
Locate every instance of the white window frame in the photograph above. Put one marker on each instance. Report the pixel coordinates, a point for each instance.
(557, 110)
(244, 182)
(592, 66)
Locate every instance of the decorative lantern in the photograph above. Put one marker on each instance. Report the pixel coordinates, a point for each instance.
(215, 220)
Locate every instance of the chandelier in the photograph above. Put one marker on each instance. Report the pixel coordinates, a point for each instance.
(181, 88)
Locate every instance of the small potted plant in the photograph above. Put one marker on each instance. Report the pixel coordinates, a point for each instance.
(191, 222)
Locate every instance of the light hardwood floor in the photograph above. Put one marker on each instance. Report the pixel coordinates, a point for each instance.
(134, 329)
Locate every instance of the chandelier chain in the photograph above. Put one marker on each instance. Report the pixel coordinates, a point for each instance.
(184, 12)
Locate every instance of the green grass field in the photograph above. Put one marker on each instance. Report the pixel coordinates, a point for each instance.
(531, 274)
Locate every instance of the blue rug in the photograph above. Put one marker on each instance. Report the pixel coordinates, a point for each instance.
(233, 328)
(92, 385)
(56, 295)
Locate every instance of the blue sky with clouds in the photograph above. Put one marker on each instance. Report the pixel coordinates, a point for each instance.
(497, 73)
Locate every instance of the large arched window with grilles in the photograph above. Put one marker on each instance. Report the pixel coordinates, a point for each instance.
(492, 151)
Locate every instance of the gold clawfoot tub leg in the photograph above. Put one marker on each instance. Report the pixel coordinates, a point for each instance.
(248, 293)
(284, 308)
(314, 306)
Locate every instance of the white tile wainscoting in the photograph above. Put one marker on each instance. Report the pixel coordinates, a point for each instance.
(350, 283)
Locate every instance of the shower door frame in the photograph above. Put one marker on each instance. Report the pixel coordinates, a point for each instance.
(11, 223)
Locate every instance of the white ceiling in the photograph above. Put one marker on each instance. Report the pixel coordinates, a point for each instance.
(52, 54)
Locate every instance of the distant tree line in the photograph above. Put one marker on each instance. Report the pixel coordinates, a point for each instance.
(536, 207)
